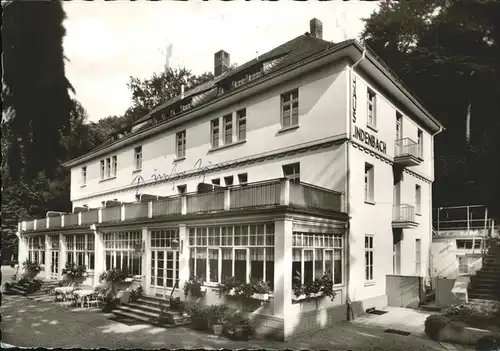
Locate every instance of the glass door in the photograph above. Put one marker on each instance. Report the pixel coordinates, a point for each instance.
(164, 271)
(54, 265)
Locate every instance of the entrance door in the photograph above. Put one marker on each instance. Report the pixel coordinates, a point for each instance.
(54, 265)
(164, 271)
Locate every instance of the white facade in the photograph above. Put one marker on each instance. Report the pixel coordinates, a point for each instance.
(323, 149)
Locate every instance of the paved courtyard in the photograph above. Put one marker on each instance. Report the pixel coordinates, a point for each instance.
(32, 323)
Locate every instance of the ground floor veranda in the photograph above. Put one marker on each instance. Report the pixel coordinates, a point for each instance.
(274, 246)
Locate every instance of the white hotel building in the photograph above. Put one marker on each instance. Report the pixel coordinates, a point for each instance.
(320, 159)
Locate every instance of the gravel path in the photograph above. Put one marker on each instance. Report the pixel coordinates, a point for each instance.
(30, 323)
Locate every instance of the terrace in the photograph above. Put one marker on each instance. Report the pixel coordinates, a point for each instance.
(267, 194)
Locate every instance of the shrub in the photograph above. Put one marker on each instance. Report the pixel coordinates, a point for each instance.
(434, 324)
(489, 343)
(200, 317)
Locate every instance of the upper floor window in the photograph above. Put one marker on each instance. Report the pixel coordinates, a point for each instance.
(180, 144)
(228, 180)
(418, 199)
(216, 181)
(292, 171)
(241, 123)
(243, 178)
(399, 126)
(214, 132)
(420, 143)
(228, 128)
(84, 175)
(138, 157)
(108, 167)
(290, 109)
(369, 182)
(372, 116)
(181, 189)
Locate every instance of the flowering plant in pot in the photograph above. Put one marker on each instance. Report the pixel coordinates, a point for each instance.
(218, 317)
(228, 286)
(31, 269)
(194, 287)
(200, 317)
(74, 271)
(237, 326)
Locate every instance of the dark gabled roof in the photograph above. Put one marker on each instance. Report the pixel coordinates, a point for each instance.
(288, 53)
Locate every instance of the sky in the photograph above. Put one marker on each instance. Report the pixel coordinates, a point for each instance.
(107, 42)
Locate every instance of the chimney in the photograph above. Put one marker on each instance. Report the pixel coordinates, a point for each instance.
(316, 28)
(182, 91)
(221, 63)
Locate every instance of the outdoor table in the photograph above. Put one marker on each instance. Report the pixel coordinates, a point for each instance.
(80, 294)
(64, 289)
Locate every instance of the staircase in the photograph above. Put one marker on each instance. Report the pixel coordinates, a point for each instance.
(22, 289)
(485, 284)
(147, 310)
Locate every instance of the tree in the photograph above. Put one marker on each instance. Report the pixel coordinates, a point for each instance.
(36, 87)
(452, 47)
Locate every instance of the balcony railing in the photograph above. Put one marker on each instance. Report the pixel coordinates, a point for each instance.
(256, 194)
(403, 216)
(407, 152)
(276, 192)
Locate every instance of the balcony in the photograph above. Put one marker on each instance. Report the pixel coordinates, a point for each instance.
(407, 152)
(259, 195)
(403, 216)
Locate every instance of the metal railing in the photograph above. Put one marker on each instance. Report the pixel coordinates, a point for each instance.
(112, 214)
(406, 147)
(54, 222)
(256, 194)
(205, 202)
(166, 207)
(310, 196)
(403, 213)
(70, 219)
(90, 217)
(473, 219)
(273, 192)
(136, 211)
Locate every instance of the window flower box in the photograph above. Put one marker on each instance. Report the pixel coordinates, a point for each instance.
(260, 296)
(303, 297)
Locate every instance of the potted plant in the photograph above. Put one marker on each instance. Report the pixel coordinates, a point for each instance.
(218, 318)
(135, 294)
(228, 286)
(75, 272)
(237, 327)
(177, 305)
(31, 269)
(194, 287)
(199, 317)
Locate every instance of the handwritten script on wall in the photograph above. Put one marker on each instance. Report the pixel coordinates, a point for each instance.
(174, 174)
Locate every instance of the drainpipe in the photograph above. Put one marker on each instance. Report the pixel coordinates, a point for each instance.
(350, 314)
(429, 251)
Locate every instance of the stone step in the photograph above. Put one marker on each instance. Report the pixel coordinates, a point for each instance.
(145, 307)
(178, 321)
(484, 296)
(128, 309)
(152, 301)
(484, 302)
(431, 307)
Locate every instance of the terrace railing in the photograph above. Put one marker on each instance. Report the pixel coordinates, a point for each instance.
(276, 192)
(403, 213)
